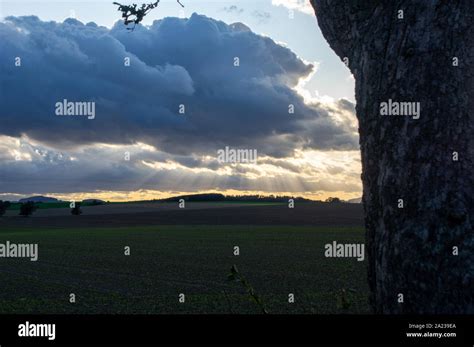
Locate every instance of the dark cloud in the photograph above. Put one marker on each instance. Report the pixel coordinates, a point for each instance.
(65, 176)
(175, 61)
(43, 170)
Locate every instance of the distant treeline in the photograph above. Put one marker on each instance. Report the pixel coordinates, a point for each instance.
(209, 197)
(232, 198)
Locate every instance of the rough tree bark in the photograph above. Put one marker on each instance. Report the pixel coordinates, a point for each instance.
(410, 249)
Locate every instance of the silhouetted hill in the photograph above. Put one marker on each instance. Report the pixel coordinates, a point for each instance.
(93, 202)
(39, 198)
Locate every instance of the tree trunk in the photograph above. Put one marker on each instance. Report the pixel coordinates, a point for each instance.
(410, 56)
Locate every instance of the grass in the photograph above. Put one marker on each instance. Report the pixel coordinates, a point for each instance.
(47, 205)
(15, 206)
(194, 260)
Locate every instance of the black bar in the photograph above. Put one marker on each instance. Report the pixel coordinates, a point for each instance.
(233, 329)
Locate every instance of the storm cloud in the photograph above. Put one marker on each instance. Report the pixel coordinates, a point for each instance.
(42, 170)
(189, 62)
(236, 88)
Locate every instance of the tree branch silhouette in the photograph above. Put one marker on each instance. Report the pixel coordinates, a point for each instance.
(134, 14)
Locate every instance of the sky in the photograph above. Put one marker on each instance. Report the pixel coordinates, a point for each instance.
(139, 145)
